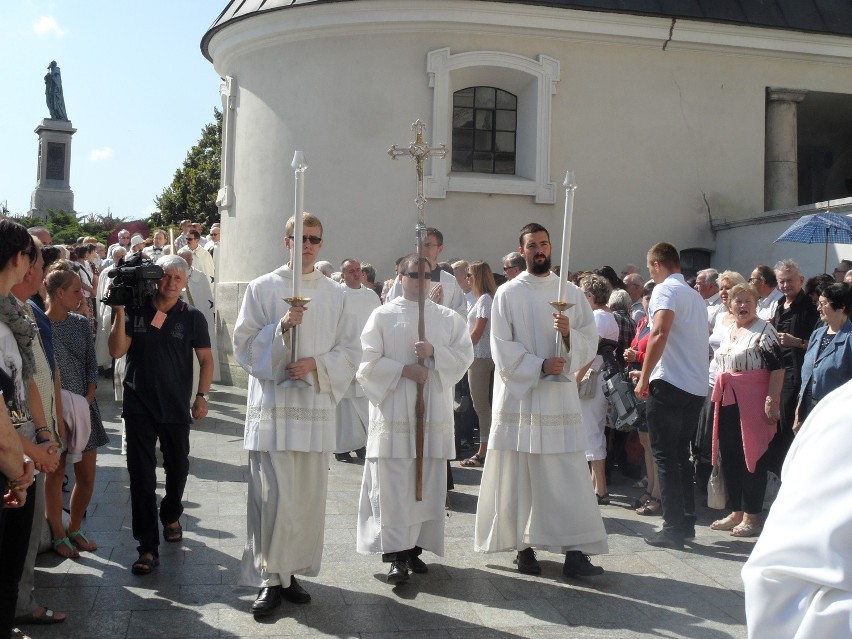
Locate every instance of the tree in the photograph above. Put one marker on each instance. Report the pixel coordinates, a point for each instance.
(192, 193)
(65, 227)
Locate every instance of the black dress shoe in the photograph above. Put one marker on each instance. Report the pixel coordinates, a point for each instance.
(398, 572)
(578, 564)
(268, 599)
(361, 453)
(294, 593)
(417, 565)
(527, 563)
(666, 539)
(342, 457)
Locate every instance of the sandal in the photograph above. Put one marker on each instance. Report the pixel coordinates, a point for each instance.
(650, 507)
(728, 523)
(145, 564)
(603, 500)
(476, 461)
(46, 618)
(746, 530)
(64, 548)
(173, 533)
(641, 501)
(85, 544)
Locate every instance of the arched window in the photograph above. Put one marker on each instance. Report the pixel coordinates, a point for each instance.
(484, 129)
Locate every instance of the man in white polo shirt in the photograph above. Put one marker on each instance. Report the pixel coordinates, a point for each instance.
(674, 380)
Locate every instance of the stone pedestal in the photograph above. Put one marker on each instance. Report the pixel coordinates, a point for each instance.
(781, 182)
(53, 187)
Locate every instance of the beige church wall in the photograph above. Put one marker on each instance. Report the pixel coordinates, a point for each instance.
(656, 138)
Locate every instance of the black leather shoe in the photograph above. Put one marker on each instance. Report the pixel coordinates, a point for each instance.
(268, 599)
(361, 453)
(417, 565)
(689, 533)
(578, 564)
(343, 457)
(527, 563)
(666, 539)
(398, 572)
(294, 593)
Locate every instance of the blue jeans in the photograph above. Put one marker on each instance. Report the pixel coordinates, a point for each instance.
(672, 421)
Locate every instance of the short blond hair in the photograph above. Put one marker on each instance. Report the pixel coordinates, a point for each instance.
(308, 219)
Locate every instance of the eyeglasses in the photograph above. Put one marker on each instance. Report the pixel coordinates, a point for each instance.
(821, 303)
(509, 267)
(416, 276)
(313, 239)
(752, 280)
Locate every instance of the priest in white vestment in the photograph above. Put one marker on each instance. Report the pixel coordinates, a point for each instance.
(390, 520)
(352, 411)
(290, 431)
(536, 492)
(798, 579)
(200, 295)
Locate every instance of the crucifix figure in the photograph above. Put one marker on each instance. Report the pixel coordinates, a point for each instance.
(419, 151)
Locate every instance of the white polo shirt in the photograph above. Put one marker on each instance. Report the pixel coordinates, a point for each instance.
(684, 360)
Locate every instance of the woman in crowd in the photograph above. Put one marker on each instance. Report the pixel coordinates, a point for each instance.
(747, 395)
(649, 502)
(74, 350)
(483, 287)
(828, 360)
(88, 280)
(594, 406)
(23, 407)
(704, 434)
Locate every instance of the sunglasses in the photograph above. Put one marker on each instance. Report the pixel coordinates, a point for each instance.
(416, 276)
(313, 239)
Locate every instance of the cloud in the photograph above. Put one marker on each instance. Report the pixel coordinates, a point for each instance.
(46, 25)
(96, 155)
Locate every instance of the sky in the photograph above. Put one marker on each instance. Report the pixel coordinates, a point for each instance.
(137, 89)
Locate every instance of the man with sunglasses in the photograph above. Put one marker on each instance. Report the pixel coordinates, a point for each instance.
(513, 264)
(289, 432)
(391, 522)
(444, 289)
(535, 490)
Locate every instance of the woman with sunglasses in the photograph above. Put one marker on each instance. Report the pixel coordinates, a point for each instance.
(479, 374)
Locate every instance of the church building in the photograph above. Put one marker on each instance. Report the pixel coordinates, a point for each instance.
(711, 125)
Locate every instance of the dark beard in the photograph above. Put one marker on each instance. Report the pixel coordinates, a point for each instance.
(539, 268)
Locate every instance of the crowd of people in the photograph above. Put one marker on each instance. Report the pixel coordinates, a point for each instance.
(726, 370)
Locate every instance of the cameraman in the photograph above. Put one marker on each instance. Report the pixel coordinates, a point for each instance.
(159, 339)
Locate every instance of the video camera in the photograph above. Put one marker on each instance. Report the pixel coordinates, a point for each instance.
(134, 282)
(618, 388)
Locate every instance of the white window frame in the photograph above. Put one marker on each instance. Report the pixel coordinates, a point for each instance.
(534, 82)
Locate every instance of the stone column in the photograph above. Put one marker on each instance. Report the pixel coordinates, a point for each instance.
(781, 181)
(53, 188)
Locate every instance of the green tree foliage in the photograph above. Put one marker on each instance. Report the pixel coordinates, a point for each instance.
(66, 227)
(192, 193)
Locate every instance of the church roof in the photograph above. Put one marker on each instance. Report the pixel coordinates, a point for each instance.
(830, 17)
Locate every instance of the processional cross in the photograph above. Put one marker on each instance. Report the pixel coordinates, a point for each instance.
(419, 151)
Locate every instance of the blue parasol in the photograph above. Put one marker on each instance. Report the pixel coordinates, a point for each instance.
(820, 228)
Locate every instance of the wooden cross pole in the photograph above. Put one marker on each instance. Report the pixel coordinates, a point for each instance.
(419, 151)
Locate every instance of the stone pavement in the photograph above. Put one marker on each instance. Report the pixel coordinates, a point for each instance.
(194, 593)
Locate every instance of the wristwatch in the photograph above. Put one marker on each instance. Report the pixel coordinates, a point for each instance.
(201, 395)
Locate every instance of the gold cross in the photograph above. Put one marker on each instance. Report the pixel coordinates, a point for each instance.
(419, 151)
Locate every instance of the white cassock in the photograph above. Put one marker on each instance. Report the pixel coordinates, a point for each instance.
(289, 431)
(798, 579)
(352, 411)
(536, 490)
(104, 322)
(203, 261)
(389, 518)
(453, 296)
(199, 294)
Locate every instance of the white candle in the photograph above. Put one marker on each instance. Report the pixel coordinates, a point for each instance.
(570, 186)
(172, 242)
(299, 166)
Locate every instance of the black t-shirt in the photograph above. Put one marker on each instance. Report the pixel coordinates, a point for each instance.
(159, 363)
(798, 320)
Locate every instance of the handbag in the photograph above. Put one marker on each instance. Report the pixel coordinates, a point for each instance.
(589, 384)
(717, 494)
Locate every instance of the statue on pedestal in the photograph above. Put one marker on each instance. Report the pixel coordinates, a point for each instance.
(53, 92)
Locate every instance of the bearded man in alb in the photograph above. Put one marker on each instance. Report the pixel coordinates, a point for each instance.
(535, 490)
(290, 431)
(390, 520)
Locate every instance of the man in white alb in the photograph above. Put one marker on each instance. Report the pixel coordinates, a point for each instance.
(390, 520)
(535, 490)
(352, 416)
(290, 431)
